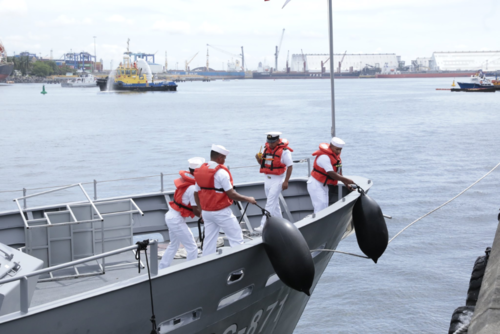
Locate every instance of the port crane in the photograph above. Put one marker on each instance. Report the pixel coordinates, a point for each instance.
(341, 61)
(323, 63)
(278, 49)
(304, 60)
(287, 58)
(188, 62)
(242, 55)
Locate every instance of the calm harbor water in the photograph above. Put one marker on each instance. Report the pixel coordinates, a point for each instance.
(419, 146)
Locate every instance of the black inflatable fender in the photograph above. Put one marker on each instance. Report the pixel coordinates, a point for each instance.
(370, 227)
(289, 254)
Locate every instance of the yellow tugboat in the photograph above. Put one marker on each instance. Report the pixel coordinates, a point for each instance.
(130, 77)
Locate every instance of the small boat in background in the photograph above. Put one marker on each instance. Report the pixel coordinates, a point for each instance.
(478, 80)
(134, 77)
(84, 80)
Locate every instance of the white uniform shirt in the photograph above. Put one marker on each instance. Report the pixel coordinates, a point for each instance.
(325, 163)
(286, 159)
(187, 198)
(221, 178)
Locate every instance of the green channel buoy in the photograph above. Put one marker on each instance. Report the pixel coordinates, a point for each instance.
(43, 90)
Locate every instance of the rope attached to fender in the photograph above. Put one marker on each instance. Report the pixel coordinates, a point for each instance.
(264, 211)
(201, 235)
(143, 245)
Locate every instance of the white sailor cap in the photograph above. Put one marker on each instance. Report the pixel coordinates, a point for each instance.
(196, 162)
(337, 142)
(220, 149)
(273, 136)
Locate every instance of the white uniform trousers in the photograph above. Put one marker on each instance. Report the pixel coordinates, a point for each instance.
(216, 220)
(273, 187)
(179, 233)
(318, 193)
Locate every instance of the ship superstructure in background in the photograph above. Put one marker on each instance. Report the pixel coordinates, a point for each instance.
(150, 60)
(488, 61)
(6, 67)
(85, 80)
(344, 63)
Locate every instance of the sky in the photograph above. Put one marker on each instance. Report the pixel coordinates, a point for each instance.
(182, 28)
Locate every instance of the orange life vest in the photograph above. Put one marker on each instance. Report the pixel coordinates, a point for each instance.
(182, 184)
(319, 173)
(274, 166)
(211, 198)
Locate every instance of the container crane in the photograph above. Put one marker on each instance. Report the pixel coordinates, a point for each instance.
(188, 62)
(242, 55)
(278, 49)
(323, 63)
(340, 62)
(287, 58)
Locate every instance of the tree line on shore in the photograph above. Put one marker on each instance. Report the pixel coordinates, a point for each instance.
(38, 68)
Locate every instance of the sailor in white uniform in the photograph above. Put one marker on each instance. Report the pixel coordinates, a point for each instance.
(214, 193)
(277, 165)
(327, 170)
(183, 206)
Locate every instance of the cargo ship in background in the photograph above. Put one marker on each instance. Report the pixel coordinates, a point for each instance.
(450, 74)
(304, 75)
(6, 68)
(360, 74)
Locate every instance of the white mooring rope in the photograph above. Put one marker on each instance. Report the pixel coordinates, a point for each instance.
(434, 210)
(463, 329)
(439, 207)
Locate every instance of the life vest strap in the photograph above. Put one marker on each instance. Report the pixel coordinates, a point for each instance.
(183, 206)
(271, 166)
(325, 174)
(216, 189)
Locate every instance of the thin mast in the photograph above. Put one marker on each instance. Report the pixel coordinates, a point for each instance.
(332, 84)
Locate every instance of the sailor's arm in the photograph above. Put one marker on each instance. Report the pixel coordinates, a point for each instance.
(196, 209)
(198, 205)
(287, 160)
(232, 194)
(287, 177)
(343, 179)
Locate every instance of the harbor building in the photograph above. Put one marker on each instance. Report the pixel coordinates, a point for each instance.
(150, 59)
(423, 64)
(466, 61)
(348, 62)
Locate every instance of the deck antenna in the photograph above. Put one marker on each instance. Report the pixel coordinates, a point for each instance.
(332, 84)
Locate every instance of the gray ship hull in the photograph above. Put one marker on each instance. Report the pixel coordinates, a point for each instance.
(6, 70)
(188, 296)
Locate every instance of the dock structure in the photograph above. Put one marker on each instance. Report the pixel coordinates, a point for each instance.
(486, 318)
